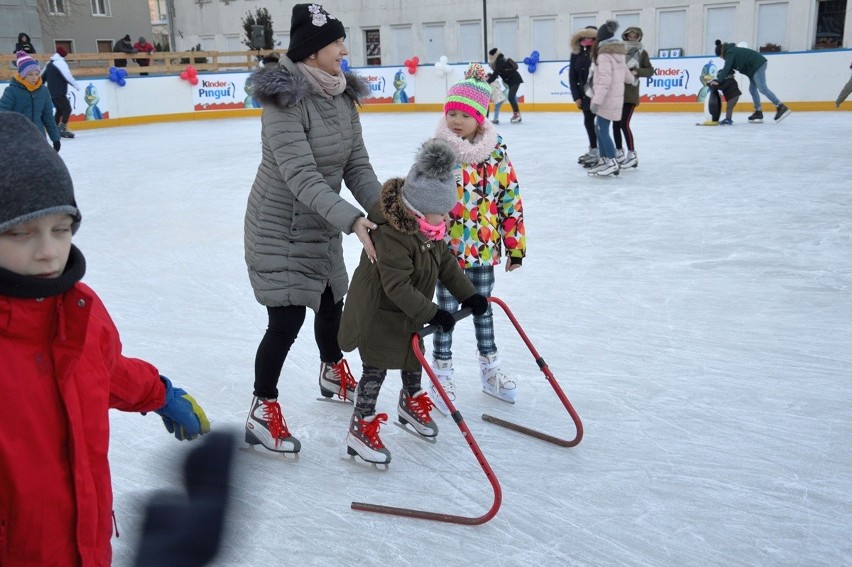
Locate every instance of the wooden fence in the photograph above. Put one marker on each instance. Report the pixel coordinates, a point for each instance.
(167, 62)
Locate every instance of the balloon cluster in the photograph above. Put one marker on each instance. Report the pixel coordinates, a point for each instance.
(344, 66)
(531, 61)
(442, 67)
(412, 64)
(190, 74)
(117, 76)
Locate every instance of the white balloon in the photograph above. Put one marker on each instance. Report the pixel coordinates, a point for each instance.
(742, 44)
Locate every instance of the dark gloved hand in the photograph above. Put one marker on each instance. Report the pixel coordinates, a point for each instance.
(477, 303)
(181, 413)
(444, 320)
(56, 145)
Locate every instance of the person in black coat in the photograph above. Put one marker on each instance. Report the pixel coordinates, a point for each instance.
(578, 75)
(123, 45)
(24, 44)
(511, 78)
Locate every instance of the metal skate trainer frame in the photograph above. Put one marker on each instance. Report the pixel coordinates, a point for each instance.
(556, 388)
(468, 436)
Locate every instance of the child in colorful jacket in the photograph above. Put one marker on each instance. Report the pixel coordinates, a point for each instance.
(488, 217)
(62, 370)
(27, 95)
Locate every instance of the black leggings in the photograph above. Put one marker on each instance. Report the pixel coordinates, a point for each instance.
(371, 382)
(63, 109)
(284, 326)
(513, 97)
(623, 125)
(589, 122)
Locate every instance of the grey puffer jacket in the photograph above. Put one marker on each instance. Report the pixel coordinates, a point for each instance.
(295, 214)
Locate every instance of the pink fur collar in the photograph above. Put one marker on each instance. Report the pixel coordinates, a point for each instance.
(469, 152)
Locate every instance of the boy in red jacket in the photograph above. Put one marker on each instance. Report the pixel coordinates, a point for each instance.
(61, 370)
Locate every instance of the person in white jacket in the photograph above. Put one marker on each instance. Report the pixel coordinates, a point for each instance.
(58, 76)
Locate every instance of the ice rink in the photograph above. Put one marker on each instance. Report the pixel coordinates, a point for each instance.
(697, 312)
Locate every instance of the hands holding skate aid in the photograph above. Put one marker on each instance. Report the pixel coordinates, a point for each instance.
(477, 303)
(181, 413)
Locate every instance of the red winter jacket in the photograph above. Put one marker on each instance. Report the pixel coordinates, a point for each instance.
(61, 369)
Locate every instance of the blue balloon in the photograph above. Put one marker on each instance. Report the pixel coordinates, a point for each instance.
(121, 82)
(531, 68)
(344, 66)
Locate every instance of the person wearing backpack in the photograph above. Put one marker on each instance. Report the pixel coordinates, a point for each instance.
(507, 70)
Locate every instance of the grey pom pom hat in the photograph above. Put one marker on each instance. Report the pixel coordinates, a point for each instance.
(430, 187)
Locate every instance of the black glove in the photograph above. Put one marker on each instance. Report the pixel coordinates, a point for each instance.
(477, 303)
(57, 145)
(444, 320)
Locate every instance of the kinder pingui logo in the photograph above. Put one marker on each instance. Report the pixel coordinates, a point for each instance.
(668, 79)
(217, 90)
(377, 84)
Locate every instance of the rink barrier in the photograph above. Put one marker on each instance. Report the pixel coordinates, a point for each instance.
(805, 81)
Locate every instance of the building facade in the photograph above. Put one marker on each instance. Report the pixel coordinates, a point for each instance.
(387, 32)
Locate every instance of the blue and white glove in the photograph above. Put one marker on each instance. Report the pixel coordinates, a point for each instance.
(181, 413)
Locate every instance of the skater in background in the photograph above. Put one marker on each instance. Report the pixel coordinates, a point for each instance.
(62, 370)
(844, 92)
(498, 97)
(608, 79)
(58, 76)
(486, 222)
(27, 95)
(731, 90)
(391, 298)
(639, 64)
(753, 65)
(578, 77)
(507, 70)
(311, 142)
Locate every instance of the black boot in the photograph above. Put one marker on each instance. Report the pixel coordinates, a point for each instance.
(64, 132)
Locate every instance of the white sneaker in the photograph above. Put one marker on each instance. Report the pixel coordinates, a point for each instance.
(443, 370)
(266, 426)
(494, 381)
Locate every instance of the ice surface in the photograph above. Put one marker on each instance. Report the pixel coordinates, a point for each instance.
(696, 311)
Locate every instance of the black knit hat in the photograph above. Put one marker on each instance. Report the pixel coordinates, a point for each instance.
(607, 30)
(34, 181)
(311, 29)
(718, 49)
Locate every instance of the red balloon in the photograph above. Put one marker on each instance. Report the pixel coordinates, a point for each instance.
(192, 71)
(184, 75)
(415, 60)
(193, 80)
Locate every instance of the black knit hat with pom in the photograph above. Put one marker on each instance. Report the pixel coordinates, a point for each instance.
(607, 30)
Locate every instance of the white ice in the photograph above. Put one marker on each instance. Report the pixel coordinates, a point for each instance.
(696, 312)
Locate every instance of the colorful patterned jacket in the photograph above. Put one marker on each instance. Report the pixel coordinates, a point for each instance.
(489, 214)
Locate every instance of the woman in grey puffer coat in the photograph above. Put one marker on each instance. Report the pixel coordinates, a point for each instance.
(312, 143)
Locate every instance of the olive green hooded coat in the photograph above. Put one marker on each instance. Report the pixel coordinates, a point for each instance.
(392, 298)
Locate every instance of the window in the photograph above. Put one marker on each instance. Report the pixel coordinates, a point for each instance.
(506, 38)
(282, 40)
(104, 45)
(830, 18)
(771, 26)
(580, 22)
(629, 20)
(401, 45)
(373, 44)
(435, 44)
(470, 41)
(671, 30)
(56, 7)
(544, 38)
(720, 23)
(66, 44)
(100, 7)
